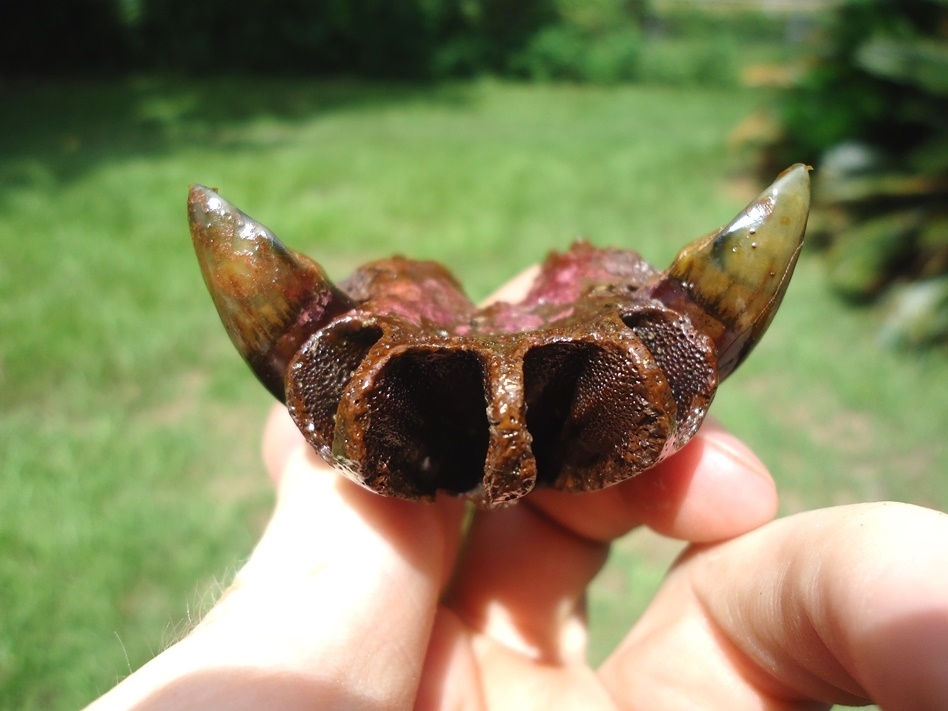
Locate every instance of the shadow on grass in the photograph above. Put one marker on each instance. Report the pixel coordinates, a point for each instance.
(73, 126)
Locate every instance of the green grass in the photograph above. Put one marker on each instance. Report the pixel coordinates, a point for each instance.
(130, 482)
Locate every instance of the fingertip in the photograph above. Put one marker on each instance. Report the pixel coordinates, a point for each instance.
(320, 512)
(515, 289)
(281, 438)
(312, 493)
(726, 490)
(713, 488)
(888, 591)
(717, 436)
(845, 604)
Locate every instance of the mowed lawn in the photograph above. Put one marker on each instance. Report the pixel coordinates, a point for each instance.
(130, 482)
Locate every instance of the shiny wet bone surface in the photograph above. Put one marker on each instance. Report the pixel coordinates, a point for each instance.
(603, 369)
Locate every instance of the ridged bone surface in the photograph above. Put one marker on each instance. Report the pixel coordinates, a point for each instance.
(605, 368)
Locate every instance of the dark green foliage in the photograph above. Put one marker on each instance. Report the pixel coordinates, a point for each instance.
(564, 52)
(359, 37)
(688, 21)
(39, 38)
(591, 41)
(871, 114)
(377, 38)
(673, 62)
(409, 39)
(596, 40)
(858, 89)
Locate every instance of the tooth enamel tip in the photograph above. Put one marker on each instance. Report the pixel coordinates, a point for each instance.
(261, 289)
(739, 274)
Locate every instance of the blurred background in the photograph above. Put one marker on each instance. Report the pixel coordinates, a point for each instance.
(481, 133)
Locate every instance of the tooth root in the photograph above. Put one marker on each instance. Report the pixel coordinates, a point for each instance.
(735, 278)
(269, 298)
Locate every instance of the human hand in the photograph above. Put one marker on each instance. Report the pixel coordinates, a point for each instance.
(352, 600)
(355, 601)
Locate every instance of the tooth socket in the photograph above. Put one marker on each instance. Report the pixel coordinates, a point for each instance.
(597, 388)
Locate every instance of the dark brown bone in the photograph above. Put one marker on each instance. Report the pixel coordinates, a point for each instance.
(605, 367)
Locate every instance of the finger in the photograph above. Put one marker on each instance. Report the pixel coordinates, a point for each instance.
(515, 289)
(525, 569)
(281, 437)
(356, 576)
(714, 488)
(451, 678)
(521, 581)
(845, 605)
(336, 602)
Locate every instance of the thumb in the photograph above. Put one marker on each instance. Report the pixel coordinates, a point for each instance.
(344, 584)
(333, 609)
(845, 605)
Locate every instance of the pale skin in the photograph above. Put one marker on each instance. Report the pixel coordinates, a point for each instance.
(354, 601)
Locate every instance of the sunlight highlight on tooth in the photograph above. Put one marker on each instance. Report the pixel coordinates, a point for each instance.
(737, 276)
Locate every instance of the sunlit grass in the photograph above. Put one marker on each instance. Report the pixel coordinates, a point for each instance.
(130, 486)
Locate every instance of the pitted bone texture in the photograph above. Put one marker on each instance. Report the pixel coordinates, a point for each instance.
(584, 383)
(604, 368)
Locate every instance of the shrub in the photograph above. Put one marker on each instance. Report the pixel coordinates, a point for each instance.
(595, 41)
(872, 114)
(689, 62)
(562, 52)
